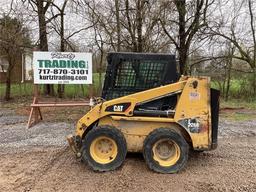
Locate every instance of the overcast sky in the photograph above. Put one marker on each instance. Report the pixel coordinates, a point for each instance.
(74, 22)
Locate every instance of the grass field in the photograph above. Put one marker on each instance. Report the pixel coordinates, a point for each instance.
(71, 91)
(240, 88)
(238, 103)
(238, 98)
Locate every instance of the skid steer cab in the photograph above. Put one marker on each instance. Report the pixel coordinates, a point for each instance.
(146, 107)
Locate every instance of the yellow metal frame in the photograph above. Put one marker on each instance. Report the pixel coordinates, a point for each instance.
(193, 102)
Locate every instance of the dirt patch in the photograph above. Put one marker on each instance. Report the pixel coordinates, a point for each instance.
(238, 110)
(38, 159)
(238, 114)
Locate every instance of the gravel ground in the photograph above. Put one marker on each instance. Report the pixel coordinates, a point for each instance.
(14, 134)
(38, 159)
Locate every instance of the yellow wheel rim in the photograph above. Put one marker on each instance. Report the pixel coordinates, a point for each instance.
(166, 152)
(103, 150)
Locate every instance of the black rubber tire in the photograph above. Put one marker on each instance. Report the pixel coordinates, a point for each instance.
(114, 134)
(165, 133)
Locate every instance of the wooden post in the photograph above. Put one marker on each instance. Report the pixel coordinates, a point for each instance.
(91, 91)
(35, 110)
(36, 113)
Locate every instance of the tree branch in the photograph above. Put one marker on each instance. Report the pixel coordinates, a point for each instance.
(168, 34)
(78, 31)
(54, 17)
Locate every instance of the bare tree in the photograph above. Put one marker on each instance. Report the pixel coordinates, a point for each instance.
(243, 38)
(228, 69)
(128, 25)
(40, 7)
(60, 31)
(181, 21)
(13, 38)
(118, 27)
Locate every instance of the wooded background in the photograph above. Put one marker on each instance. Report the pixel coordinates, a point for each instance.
(209, 37)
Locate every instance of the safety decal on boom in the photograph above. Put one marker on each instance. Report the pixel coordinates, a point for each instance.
(194, 96)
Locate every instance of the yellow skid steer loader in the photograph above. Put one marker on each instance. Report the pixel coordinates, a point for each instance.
(145, 107)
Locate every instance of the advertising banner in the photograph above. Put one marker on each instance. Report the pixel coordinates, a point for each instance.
(62, 68)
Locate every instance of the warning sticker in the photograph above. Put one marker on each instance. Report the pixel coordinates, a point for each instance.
(194, 96)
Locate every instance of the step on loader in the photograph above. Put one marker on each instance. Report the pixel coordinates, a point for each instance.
(146, 107)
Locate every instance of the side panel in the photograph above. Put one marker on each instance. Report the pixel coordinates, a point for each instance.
(193, 112)
(135, 132)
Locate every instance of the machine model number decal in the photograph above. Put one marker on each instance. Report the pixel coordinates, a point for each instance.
(193, 123)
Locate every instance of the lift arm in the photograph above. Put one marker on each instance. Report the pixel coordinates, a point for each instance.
(125, 105)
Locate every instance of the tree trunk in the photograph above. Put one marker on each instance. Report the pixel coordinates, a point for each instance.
(60, 90)
(118, 28)
(61, 87)
(48, 89)
(254, 82)
(183, 49)
(229, 75)
(8, 85)
(100, 68)
(183, 57)
(8, 79)
(139, 25)
(82, 90)
(130, 28)
(253, 65)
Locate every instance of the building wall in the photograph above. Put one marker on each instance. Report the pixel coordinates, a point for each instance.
(28, 67)
(2, 76)
(16, 75)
